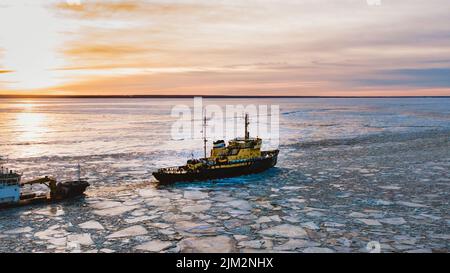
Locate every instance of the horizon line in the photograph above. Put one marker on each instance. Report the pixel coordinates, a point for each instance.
(203, 96)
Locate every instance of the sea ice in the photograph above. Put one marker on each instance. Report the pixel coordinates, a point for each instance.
(91, 225)
(114, 211)
(251, 244)
(195, 195)
(127, 232)
(240, 204)
(393, 221)
(294, 244)
(140, 219)
(193, 227)
(214, 244)
(268, 219)
(310, 225)
(19, 230)
(154, 246)
(82, 239)
(50, 211)
(318, 250)
(196, 208)
(369, 222)
(390, 187)
(357, 215)
(410, 204)
(285, 230)
(147, 193)
(315, 214)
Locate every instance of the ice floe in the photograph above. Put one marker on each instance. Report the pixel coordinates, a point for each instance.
(19, 230)
(285, 230)
(92, 224)
(369, 222)
(210, 244)
(128, 232)
(393, 221)
(154, 246)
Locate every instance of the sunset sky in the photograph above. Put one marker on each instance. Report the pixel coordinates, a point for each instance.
(225, 47)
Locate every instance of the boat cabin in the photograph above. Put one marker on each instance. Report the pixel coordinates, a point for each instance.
(238, 148)
(9, 186)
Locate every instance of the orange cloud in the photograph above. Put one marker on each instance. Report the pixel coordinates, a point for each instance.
(104, 51)
(95, 9)
(229, 47)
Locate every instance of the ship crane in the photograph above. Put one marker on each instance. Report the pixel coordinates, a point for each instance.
(47, 181)
(11, 193)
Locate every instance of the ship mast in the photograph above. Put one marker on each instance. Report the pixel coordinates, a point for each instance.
(1, 165)
(204, 134)
(247, 135)
(79, 171)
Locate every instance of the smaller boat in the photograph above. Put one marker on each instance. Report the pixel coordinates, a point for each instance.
(12, 191)
(242, 156)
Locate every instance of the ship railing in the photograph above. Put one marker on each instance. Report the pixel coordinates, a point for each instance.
(267, 154)
(173, 170)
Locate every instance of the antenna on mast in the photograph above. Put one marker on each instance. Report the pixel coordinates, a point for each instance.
(247, 135)
(204, 134)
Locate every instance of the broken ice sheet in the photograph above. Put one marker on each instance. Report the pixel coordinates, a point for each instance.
(50, 211)
(154, 246)
(212, 244)
(369, 222)
(128, 232)
(91, 225)
(389, 200)
(19, 230)
(393, 221)
(82, 239)
(111, 208)
(285, 230)
(195, 195)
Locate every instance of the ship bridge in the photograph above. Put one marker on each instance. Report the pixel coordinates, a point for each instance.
(9, 186)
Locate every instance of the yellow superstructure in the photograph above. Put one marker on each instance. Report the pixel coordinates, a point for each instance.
(237, 149)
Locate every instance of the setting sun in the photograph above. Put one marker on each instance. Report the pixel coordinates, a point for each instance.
(29, 43)
(304, 48)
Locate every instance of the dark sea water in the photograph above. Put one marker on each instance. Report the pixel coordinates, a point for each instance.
(350, 172)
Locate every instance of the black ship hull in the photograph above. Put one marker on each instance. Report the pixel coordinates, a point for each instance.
(221, 171)
(70, 189)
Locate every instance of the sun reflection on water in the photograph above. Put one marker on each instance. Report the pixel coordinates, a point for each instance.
(30, 127)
